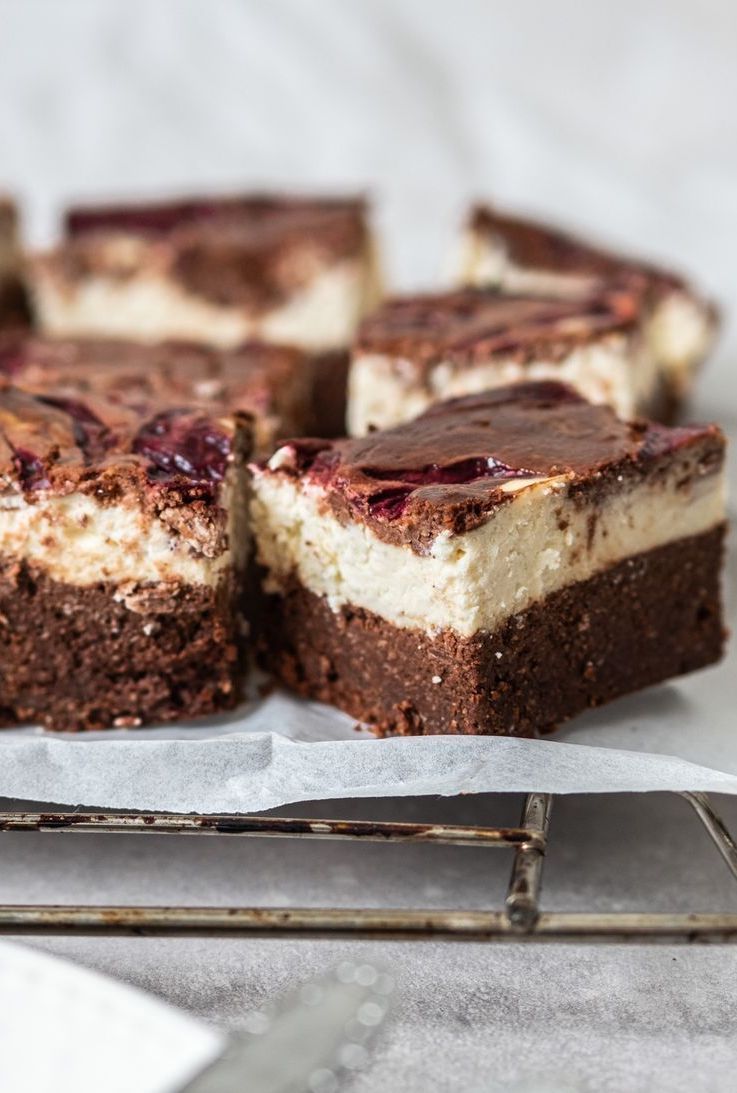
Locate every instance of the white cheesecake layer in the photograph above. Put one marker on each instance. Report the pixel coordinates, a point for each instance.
(382, 391)
(475, 581)
(79, 541)
(150, 306)
(486, 264)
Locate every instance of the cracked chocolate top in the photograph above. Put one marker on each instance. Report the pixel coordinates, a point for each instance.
(265, 380)
(158, 457)
(448, 469)
(536, 246)
(472, 325)
(252, 251)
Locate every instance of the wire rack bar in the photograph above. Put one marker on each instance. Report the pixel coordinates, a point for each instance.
(367, 924)
(170, 823)
(523, 893)
(716, 828)
(521, 919)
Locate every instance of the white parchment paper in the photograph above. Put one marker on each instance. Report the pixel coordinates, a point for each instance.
(278, 750)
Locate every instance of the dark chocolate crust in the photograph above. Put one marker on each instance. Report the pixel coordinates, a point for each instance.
(73, 658)
(446, 470)
(268, 381)
(651, 617)
(251, 251)
(473, 325)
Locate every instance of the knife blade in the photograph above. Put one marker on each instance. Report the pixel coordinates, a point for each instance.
(304, 1043)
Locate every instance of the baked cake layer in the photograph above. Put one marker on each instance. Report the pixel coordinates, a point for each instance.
(544, 537)
(646, 619)
(87, 657)
(91, 487)
(415, 351)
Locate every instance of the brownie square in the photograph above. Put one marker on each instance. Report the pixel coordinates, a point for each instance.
(498, 565)
(122, 561)
(293, 270)
(516, 254)
(415, 351)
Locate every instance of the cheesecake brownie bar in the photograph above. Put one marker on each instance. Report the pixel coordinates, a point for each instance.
(523, 256)
(416, 350)
(122, 554)
(496, 566)
(284, 269)
(269, 382)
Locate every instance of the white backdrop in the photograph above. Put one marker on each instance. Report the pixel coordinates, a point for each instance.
(615, 114)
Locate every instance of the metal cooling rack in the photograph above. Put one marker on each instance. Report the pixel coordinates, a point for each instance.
(520, 919)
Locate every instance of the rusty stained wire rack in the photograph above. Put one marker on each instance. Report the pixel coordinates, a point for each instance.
(521, 918)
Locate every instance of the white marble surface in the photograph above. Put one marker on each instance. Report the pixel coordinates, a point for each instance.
(615, 115)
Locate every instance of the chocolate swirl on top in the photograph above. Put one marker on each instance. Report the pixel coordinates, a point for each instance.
(471, 325)
(448, 469)
(251, 251)
(538, 247)
(160, 456)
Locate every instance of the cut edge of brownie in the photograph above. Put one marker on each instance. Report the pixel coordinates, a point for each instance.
(81, 658)
(646, 619)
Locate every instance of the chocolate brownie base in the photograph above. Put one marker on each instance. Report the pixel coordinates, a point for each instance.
(649, 618)
(15, 308)
(77, 658)
(329, 394)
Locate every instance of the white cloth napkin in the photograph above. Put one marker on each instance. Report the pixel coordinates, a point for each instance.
(69, 1030)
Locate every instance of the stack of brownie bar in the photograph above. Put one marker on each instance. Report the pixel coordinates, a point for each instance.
(504, 541)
